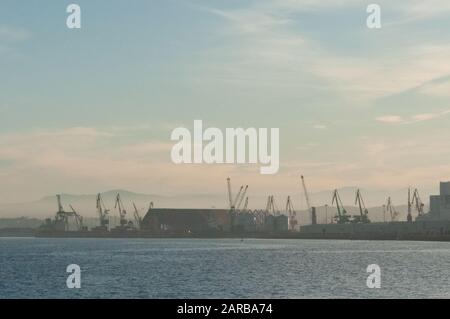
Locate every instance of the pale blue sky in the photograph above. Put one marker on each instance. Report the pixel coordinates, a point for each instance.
(92, 109)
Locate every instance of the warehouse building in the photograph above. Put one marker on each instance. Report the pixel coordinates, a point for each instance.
(185, 221)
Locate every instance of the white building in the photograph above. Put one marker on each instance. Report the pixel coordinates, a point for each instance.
(439, 205)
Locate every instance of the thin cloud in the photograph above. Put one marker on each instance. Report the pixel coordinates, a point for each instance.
(396, 119)
(13, 33)
(390, 119)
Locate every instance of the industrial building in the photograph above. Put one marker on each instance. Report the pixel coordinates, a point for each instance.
(186, 221)
(439, 205)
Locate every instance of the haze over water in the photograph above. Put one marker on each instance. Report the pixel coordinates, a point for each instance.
(222, 268)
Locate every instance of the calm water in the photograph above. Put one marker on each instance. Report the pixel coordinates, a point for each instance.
(222, 268)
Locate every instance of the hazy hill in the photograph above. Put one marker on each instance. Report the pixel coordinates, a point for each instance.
(85, 203)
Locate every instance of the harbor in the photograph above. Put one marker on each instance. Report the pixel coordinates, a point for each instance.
(239, 221)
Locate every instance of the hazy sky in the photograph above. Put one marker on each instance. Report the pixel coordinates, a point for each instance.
(88, 110)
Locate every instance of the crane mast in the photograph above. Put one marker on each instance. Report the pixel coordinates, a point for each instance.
(291, 214)
(239, 197)
(122, 211)
(137, 217)
(102, 211)
(78, 218)
(230, 196)
(246, 204)
(268, 204)
(391, 209)
(271, 208)
(418, 202)
(342, 216)
(275, 209)
(60, 207)
(150, 207)
(306, 193)
(242, 197)
(61, 216)
(312, 210)
(409, 216)
(363, 217)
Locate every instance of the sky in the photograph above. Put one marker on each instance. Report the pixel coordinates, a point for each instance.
(89, 110)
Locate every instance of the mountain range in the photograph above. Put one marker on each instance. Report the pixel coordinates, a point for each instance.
(85, 204)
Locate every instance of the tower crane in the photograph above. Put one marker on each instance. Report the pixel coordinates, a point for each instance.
(102, 212)
(122, 212)
(291, 214)
(342, 216)
(363, 218)
(311, 209)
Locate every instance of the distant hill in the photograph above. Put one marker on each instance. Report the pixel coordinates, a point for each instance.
(21, 222)
(85, 203)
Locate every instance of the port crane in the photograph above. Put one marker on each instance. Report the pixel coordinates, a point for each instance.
(311, 209)
(102, 212)
(122, 212)
(291, 214)
(419, 205)
(268, 204)
(391, 209)
(137, 217)
(150, 207)
(239, 197)
(78, 218)
(342, 216)
(62, 217)
(363, 212)
(230, 197)
(245, 204)
(271, 207)
(242, 197)
(409, 216)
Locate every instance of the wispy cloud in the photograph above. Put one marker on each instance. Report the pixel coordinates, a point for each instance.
(265, 45)
(390, 119)
(13, 33)
(397, 119)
